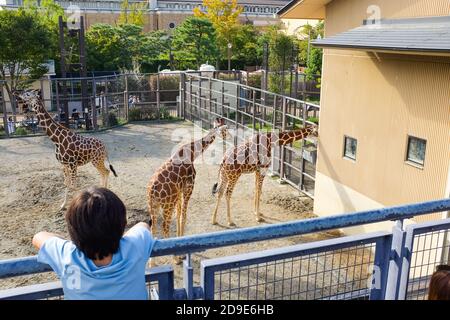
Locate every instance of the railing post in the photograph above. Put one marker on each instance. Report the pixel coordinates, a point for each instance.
(406, 264)
(188, 277)
(166, 286)
(381, 266)
(395, 261)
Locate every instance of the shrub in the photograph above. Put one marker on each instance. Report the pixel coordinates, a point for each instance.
(20, 131)
(164, 113)
(254, 80)
(313, 119)
(112, 119)
(134, 115)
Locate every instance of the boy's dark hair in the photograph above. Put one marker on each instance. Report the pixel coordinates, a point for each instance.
(96, 221)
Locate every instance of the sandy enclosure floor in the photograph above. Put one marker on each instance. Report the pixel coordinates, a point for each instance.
(32, 190)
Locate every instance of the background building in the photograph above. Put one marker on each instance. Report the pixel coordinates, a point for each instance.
(166, 14)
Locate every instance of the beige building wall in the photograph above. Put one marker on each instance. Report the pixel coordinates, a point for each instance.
(380, 100)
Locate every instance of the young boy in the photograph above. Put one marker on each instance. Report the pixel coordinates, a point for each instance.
(101, 262)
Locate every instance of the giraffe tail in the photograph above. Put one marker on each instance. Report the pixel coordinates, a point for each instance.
(112, 170)
(218, 185)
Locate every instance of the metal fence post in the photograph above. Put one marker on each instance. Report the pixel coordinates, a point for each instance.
(94, 106)
(406, 264)
(182, 96)
(395, 261)
(238, 92)
(125, 98)
(381, 266)
(188, 277)
(166, 286)
(282, 151)
(158, 98)
(5, 116)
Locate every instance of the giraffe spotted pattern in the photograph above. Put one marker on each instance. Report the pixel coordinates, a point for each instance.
(71, 149)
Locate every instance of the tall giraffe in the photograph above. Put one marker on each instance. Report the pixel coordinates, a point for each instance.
(72, 150)
(253, 155)
(172, 184)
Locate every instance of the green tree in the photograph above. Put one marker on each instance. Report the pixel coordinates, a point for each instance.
(224, 15)
(132, 13)
(194, 43)
(25, 44)
(124, 47)
(310, 56)
(281, 57)
(246, 46)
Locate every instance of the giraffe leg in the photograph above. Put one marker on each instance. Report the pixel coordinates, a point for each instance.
(228, 193)
(179, 213)
(220, 193)
(259, 179)
(99, 164)
(67, 185)
(187, 192)
(153, 211)
(70, 173)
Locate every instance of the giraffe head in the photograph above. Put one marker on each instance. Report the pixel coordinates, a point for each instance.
(221, 128)
(31, 97)
(312, 130)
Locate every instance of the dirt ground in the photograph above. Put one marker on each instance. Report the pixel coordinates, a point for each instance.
(31, 192)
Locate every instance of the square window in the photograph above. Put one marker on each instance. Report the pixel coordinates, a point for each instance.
(416, 150)
(350, 145)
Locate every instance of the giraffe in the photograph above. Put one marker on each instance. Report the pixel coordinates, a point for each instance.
(72, 150)
(253, 155)
(172, 184)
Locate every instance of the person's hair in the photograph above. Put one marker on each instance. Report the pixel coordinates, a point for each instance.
(96, 220)
(439, 288)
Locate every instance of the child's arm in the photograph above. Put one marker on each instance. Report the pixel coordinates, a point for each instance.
(41, 237)
(142, 224)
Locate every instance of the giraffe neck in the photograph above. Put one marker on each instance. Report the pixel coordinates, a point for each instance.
(189, 152)
(199, 146)
(46, 122)
(291, 136)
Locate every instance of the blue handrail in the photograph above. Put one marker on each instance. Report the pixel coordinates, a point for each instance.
(201, 242)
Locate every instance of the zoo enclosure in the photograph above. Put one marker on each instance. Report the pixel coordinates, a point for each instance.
(198, 96)
(376, 266)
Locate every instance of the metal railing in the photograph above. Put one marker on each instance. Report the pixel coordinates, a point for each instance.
(248, 110)
(381, 265)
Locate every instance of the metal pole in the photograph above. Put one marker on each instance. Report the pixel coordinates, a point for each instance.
(283, 128)
(5, 117)
(63, 69)
(83, 67)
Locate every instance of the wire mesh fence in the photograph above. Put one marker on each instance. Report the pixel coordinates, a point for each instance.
(430, 249)
(326, 272)
(248, 110)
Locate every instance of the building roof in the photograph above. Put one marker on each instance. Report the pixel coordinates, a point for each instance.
(304, 9)
(420, 35)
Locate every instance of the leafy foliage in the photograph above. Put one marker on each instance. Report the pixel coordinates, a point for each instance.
(132, 13)
(224, 15)
(194, 43)
(25, 43)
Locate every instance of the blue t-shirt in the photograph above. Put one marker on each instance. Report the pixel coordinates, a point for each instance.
(122, 279)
